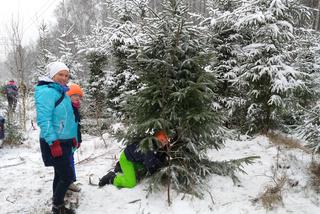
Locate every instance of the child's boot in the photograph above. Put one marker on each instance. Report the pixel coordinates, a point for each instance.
(107, 179)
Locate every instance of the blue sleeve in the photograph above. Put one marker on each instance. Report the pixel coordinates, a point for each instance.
(45, 105)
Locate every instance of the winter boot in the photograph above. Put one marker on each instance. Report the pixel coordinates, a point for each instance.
(61, 209)
(107, 179)
(74, 188)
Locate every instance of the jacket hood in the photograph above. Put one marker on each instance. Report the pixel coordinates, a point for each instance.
(46, 84)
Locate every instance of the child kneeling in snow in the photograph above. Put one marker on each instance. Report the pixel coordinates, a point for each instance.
(133, 162)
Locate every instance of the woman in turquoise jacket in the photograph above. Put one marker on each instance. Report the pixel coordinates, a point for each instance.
(58, 133)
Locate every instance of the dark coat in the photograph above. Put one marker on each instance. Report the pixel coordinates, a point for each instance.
(152, 160)
(48, 160)
(11, 90)
(2, 120)
(78, 120)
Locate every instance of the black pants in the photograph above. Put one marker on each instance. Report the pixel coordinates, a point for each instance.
(63, 177)
(63, 171)
(12, 101)
(1, 131)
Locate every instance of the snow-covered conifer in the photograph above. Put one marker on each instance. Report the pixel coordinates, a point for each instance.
(265, 70)
(96, 48)
(68, 52)
(44, 56)
(225, 42)
(177, 95)
(124, 38)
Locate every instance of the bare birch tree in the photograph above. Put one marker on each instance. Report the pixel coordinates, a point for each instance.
(16, 62)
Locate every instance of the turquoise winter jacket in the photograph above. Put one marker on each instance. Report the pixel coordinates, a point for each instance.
(56, 123)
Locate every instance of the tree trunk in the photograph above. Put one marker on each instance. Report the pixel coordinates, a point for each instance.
(18, 68)
(169, 178)
(204, 11)
(316, 22)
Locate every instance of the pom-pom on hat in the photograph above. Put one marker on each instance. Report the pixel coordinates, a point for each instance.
(75, 89)
(54, 67)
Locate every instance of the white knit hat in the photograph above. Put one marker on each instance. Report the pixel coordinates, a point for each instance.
(54, 67)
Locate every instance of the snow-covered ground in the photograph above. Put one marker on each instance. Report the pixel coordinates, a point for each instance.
(25, 184)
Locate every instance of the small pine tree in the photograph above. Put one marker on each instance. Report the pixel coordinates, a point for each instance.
(310, 130)
(96, 95)
(305, 48)
(68, 49)
(122, 81)
(44, 56)
(13, 132)
(96, 48)
(308, 127)
(267, 72)
(225, 41)
(129, 10)
(177, 95)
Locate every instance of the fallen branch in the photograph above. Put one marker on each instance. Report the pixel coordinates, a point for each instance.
(7, 199)
(211, 197)
(134, 201)
(90, 158)
(16, 164)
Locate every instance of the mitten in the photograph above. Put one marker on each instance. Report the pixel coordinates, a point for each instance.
(55, 148)
(74, 143)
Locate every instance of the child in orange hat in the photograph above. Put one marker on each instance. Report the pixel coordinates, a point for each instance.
(75, 93)
(133, 162)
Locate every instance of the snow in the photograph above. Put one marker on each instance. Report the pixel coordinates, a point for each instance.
(25, 184)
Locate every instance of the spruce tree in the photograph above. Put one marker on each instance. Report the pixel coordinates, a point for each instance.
(308, 128)
(122, 81)
(225, 41)
(268, 74)
(96, 47)
(67, 51)
(178, 96)
(44, 56)
(97, 81)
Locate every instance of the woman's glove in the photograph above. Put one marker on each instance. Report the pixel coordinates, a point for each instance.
(55, 148)
(75, 143)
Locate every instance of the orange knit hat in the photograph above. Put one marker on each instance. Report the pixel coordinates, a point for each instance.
(162, 137)
(74, 89)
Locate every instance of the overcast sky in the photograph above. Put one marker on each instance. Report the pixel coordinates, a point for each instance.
(30, 13)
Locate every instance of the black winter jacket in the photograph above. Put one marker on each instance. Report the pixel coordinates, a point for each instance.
(78, 120)
(151, 160)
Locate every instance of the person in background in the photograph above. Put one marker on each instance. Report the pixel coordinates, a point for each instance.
(75, 93)
(133, 162)
(58, 130)
(2, 121)
(11, 90)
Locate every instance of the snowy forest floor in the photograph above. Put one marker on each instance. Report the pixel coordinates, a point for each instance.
(25, 184)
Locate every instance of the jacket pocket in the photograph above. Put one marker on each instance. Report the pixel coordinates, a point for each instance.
(61, 127)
